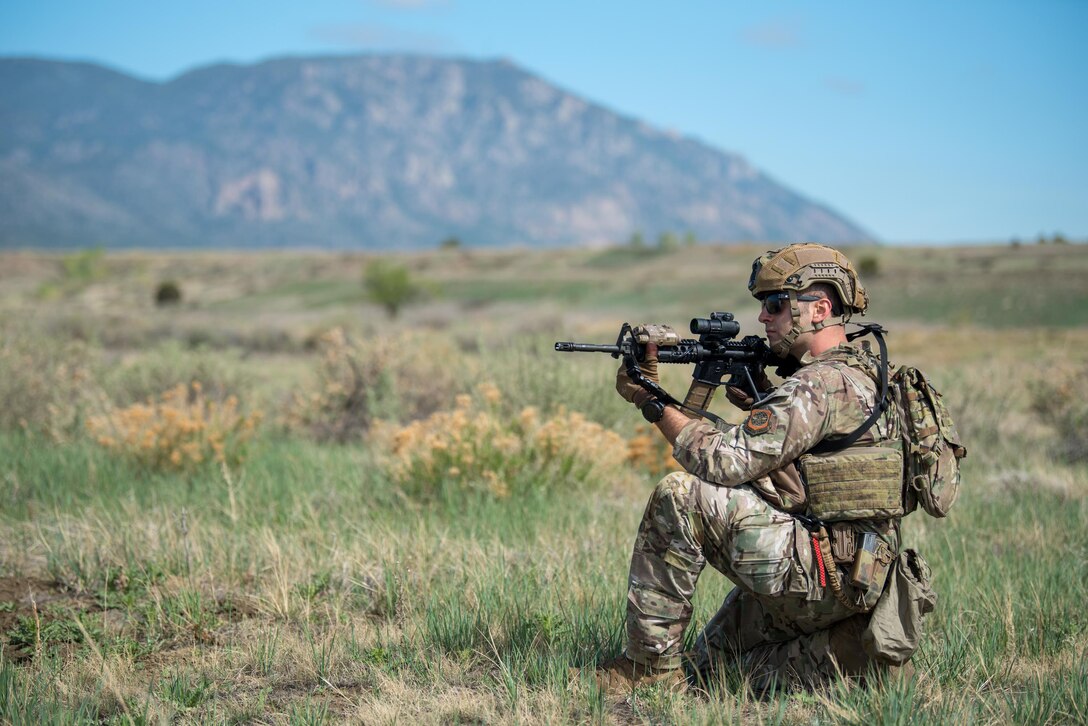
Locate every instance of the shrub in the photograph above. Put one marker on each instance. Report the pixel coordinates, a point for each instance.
(84, 266)
(648, 450)
(390, 285)
(401, 379)
(45, 385)
(180, 430)
(528, 377)
(1062, 401)
(167, 293)
(474, 448)
(221, 374)
(869, 266)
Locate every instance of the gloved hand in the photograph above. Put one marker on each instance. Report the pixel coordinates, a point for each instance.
(631, 391)
(741, 398)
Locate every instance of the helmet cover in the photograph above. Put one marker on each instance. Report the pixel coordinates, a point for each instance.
(799, 266)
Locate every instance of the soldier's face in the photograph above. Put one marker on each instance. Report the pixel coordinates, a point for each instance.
(775, 324)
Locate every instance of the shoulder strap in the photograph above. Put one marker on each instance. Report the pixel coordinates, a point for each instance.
(828, 446)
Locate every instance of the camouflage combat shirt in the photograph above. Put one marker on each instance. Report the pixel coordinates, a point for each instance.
(829, 396)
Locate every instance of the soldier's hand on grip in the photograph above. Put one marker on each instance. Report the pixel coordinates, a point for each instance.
(631, 391)
(743, 399)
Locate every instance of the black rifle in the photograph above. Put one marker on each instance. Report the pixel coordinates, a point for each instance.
(716, 354)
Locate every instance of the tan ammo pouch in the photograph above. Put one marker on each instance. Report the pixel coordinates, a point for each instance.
(856, 483)
(895, 626)
(869, 573)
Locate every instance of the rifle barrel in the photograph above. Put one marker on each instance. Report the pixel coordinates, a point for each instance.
(564, 347)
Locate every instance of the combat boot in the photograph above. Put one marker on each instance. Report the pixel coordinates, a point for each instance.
(904, 672)
(621, 675)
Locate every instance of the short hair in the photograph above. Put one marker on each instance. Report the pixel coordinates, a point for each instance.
(823, 289)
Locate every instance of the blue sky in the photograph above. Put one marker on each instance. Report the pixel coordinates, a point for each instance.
(921, 121)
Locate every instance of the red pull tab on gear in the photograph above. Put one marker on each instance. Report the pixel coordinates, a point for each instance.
(819, 560)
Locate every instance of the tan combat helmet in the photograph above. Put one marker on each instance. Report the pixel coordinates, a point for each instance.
(799, 266)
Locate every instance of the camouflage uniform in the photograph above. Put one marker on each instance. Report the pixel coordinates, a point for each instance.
(780, 623)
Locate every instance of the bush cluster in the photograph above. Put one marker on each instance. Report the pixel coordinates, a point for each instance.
(167, 293)
(399, 379)
(473, 447)
(45, 386)
(160, 368)
(179, 431)
(649, 451)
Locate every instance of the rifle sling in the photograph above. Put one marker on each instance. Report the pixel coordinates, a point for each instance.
(655, 390)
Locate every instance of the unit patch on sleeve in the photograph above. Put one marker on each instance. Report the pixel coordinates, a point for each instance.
(759, 421)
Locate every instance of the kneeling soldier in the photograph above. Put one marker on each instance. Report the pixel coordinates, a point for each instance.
(807, 533)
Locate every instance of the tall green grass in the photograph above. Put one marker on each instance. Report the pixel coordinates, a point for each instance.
(305, 586)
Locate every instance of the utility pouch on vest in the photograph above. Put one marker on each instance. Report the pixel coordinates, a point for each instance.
(856, 483)
(843, 542)
(870, 572)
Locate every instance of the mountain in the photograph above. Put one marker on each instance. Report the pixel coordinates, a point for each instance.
(360, 152)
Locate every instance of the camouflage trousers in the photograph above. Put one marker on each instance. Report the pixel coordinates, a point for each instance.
(779, 625)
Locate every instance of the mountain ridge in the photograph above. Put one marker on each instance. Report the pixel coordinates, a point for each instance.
(363, 151)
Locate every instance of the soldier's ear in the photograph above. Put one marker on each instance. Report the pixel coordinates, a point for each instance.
(821, 309)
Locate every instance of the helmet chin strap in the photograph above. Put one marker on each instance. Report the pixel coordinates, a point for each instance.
(782, 348)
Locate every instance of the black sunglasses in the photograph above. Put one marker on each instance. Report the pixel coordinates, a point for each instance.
(773, 304)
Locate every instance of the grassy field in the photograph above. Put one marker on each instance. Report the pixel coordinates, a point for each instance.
(271, 503)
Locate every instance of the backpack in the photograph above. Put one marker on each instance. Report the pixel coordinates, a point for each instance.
(931, 444)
